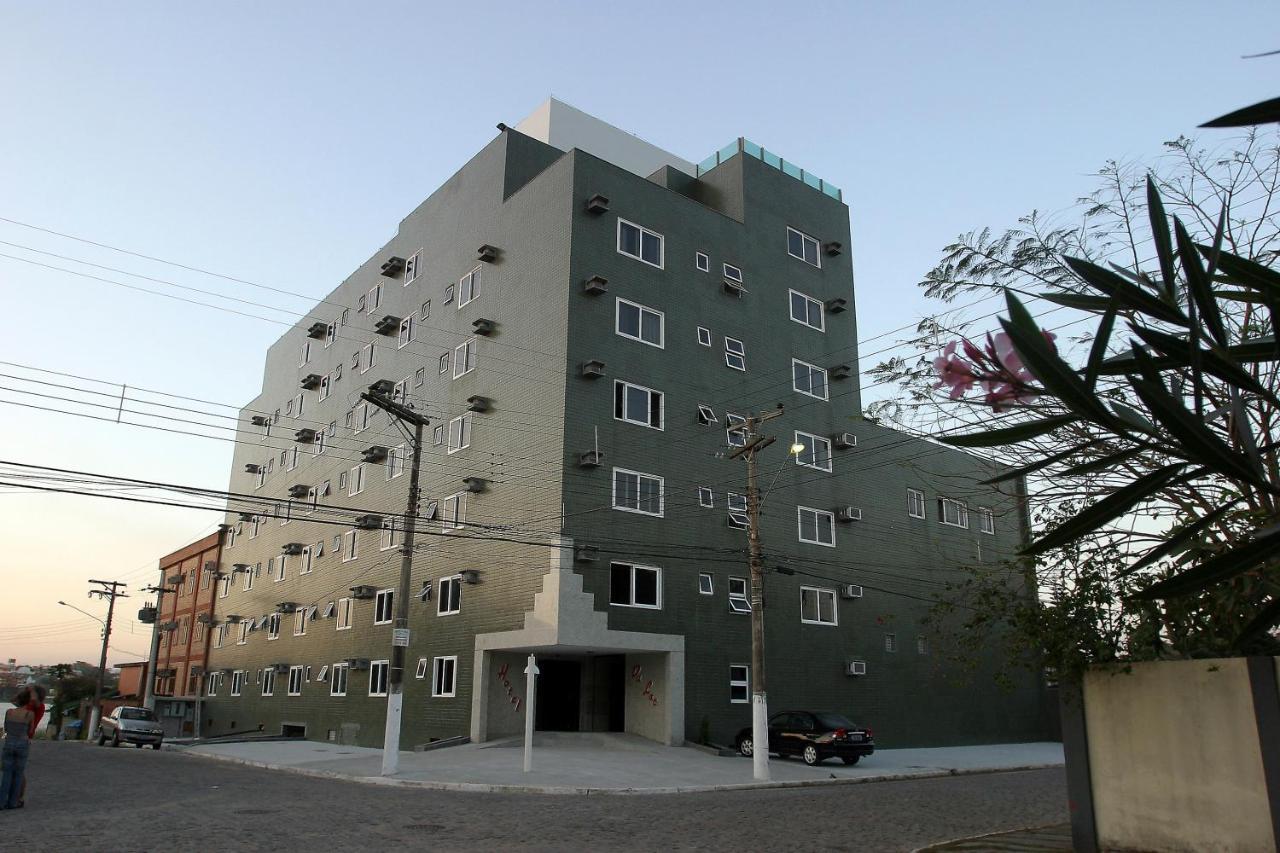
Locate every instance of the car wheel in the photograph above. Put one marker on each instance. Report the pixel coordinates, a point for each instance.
(851, 759)
(811, 756)
(115, 739)
(102, 736)
(746, 747)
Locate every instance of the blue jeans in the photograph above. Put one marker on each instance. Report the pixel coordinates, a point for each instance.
(13, 766)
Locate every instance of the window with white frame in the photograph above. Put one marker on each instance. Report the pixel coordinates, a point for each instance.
(986, 521)
(459, 433)
(277, 566)
(808, 379)
(818, 606)
(421, 671)
(815, 452)
(350, 545)
(224, 587)
(816, 526)
(368, 357)
(635, 586)
(732, 273)
(384, 607)
(419, 377)
(890, 642)
(268, 681)
(735, 354)
(300, 622)
(324, 387)
(737, 504)
(304, 565)
(807, 311)
(706, 585)
(355, 481)
(953, 512)
(448, 295)
(915, 503)
(338, 679)
(437, 435)
(305, 355)
(444, 676)
(323, 674)
(426, 309)
(273, 626)
(396, 458)
(469, 287)
(704, 336)
(345, 609)
(245, 627)
(706, 497)
(449, 600)
(411, 267)
(735, 430)
(702, 262)
(389, 535)
(464, 358)
(706, 415)
(360, 420)
(219, 635)
(212, 683)
(922, 645)
(237, 682)
(634, 491)
(640, 243)
(639, 323)
(739, 683)
(739, 599)
(444, 363)
(802, 246)
(636, 404)
(295, 681)
(375, 297)
(405, 335)
(453, 511)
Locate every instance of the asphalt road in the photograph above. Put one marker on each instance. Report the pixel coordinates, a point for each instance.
(83, 797)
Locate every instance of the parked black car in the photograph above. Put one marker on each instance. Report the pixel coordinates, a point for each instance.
(814, 736)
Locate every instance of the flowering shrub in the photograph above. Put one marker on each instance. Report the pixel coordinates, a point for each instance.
(1005, 380)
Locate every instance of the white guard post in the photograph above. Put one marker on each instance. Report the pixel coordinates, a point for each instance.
(530, 697)
(760, 737)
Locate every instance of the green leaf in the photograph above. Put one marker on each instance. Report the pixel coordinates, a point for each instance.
(1198, 283)
(1216, 569)
(1160, 232)
(1098, 351)
(1176, 540)
(1132, 417)
(1249, 273)
(1254, 350)
(1080, 301)
(1125, 292)
(1009, 435)
(1259, 626)
(1032, 467)
(1263, 112)
(1108, 509)
(1104, 462)
(1182, 353)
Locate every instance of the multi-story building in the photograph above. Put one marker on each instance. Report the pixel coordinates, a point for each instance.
(587, 320)
(185, 614)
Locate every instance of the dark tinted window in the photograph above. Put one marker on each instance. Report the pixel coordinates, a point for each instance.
(834, 721)
(136, 714)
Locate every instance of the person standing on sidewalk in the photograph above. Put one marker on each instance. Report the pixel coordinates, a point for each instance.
(34, 704)
(13, 757)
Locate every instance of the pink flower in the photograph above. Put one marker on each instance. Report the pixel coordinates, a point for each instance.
(954, 372)
(1001, 350)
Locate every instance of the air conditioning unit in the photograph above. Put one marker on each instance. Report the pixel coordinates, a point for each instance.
(840, 371)
(596, 285)
(309, 382)
(197, 670)
(374, 453)
(597, 205)
(292, 548)
(850, 590)
(175, 580)
(368, 522)
(304, 436)
(252, 468)
(833, 247)
(241, 568)
(318, 330)
(733, 288)
(835, 306)
(478, 404)
(286, 606)
(845, 440)
(470, 576)
(585, 553)
(205, 618)
(475, 484)
(483, 326)
(849, 513)
(358, 664)
(363, 591)
(593, 369)
(383, 387)
(299, 490)
(388, 325)
(590, 459)
(487, 253)
(280, 667)
(393, 266)
(259, 420)
(246, 516)
(855, 667)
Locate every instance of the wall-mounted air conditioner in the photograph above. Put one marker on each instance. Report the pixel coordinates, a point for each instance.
(597, 205)
(596, 285)
(845, 440)
(478, 404)
(475, 484)
(318, 330)
(848, 513)
(374, 453)
(855, 667)
(368, 522)
(292, 548)
(850, 590)
(593, 369)
(299, 490)
(590, 459)
(309, 382)
(388, 325)
(363, 591)
(487, 253)
(393, 266)
(483, 326)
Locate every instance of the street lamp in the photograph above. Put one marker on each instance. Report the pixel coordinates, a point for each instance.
(85, 612)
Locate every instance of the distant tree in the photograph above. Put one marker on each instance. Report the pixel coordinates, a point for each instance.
(68, 689)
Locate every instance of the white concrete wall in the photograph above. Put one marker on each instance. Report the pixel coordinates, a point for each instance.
(505, 716)
(556, 123)
(648, 696)
(1174, 758)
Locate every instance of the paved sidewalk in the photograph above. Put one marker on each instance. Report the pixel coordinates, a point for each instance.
(616, 763)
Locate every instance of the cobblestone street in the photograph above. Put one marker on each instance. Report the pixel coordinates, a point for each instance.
(90, 798)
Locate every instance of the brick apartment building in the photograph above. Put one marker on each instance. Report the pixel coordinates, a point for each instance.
(183, 621)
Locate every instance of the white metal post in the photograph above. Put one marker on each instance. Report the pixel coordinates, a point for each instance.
(530, 698)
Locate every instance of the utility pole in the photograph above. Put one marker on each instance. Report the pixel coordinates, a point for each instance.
(400, 630)
(111, 590)
(153, 657)
(759, 702)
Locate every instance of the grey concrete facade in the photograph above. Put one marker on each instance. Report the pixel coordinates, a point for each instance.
(541, 537)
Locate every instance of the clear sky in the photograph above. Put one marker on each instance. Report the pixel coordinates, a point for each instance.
(282, 142)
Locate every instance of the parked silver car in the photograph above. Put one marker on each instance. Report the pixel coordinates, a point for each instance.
(126, 724)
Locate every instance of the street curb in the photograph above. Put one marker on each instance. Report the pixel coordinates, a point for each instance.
(999, 832)
(489, 788)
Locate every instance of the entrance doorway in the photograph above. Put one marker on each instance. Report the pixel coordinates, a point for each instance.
(559, 696)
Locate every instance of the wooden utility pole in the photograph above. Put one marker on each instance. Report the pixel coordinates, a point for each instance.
(111, 590)
(759, 700)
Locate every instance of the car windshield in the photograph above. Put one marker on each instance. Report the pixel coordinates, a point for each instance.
(834, 721)
(136, 714)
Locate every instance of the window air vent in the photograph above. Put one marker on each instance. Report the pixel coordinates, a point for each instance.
(259, 420)
(845, 440)
(299, 490)
(733, 288)
(368, 522)
(475, 484)
(840, 371)
(593, 369)
(835, 306)
(358, 664)
(478, 404)
(286, 606)
(174, 580)
(234, 618)
(470, 576)
(393, 266)
(848, 513)
(585, 553)
(304, 436)
(318, 330)
(850, 590)
(309, 382)
(483, 326)
(363, 591)
(241, 568)
(246, 516)
(855, 667)
(210, 565)
(388, 325)
(597, 205)
(252, 468)
(376, 453)
(833, 247)
(291, 548)
(596, 285)
(280, 668)
(590, 459)
(487, 253)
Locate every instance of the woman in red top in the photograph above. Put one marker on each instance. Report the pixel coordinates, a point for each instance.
(35, 704)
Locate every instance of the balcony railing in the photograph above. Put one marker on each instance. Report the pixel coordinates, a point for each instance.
(746, 146)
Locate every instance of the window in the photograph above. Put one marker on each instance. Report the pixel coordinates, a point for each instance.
(419, 377)
(953, 512)
(368, 358)
(459, 433)
(706, 415)
(295, 681)
(636, 404)
(739, 690)
(220, 635)
(268, 682)
(890, 642)
(453, 511)
(817, 526)
(360, 303)
(448, 295)
(324, 387)
(350, 545)
(702, 262)
(375, 297)
(224, 586)
(704, 336)
(437, 435)
(808, 379)
(323, 674)
(732, 273)
(388, 540)
(426, 309)
(300, 622)
(344, 614)
(635, 586)
(816, 452)
(237, 682)
(450, 598)
(214, 682)
(305, 355)
(273, 626)
(739, 601)
(915, 503)
(639, 323)
(735, 354)
(738, 518)
(406, 332)
(706, 586)
(640, 243)
(245, 627)
(396, 458)
(817, 606)
(276, 567)
(355, 482)
(802, 246)
(922, 645)
(360, 421)
(338, 679)
(706, 497)
(637, 492)
(291, 461)
(464, 358)
(807, 311)
(469, 287)
(421, 671)
(735, 430)
(444, 363)
(411, 267)
(986, 521)
(383, 607)
(444, 672)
